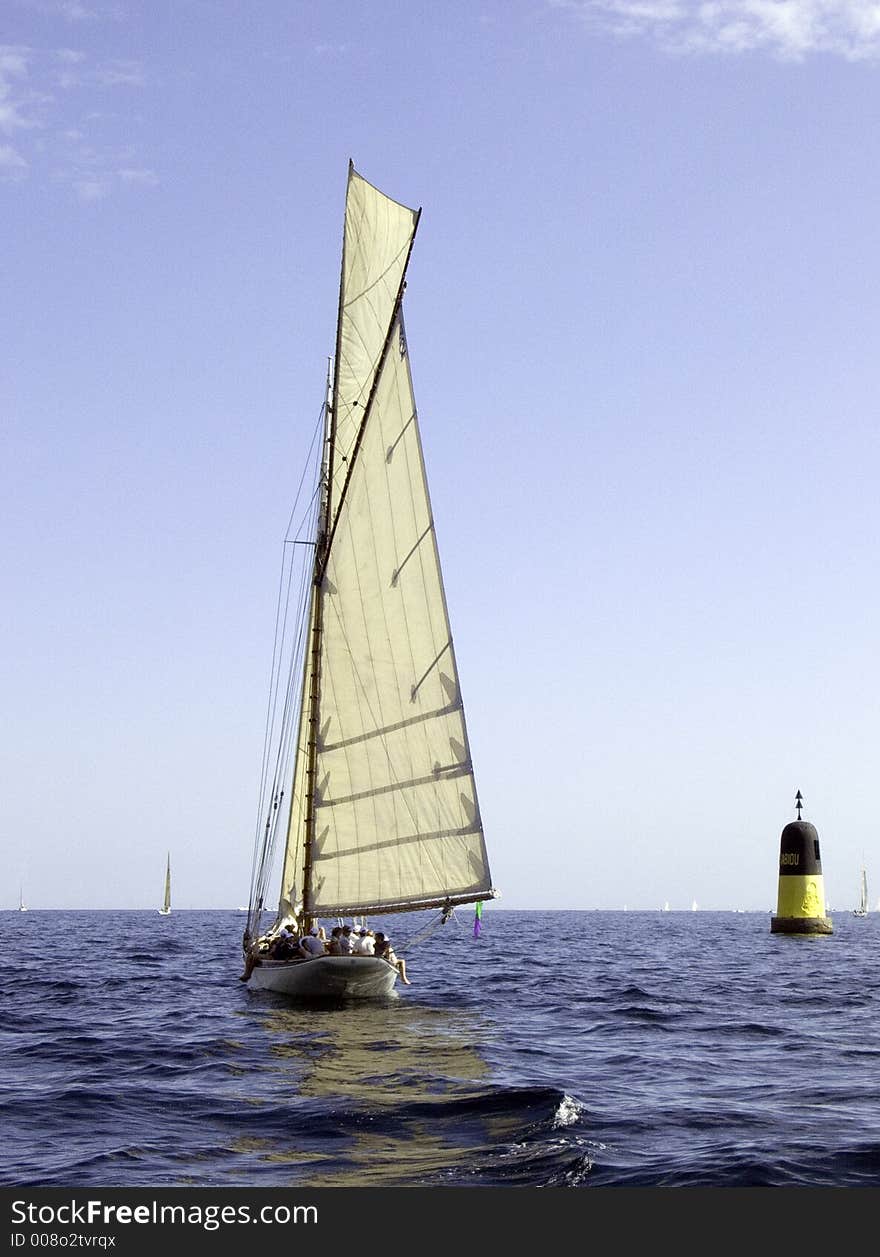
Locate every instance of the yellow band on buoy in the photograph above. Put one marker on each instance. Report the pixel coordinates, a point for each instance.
(801, 897)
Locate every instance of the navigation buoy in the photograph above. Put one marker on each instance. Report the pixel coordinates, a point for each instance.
(800, 905)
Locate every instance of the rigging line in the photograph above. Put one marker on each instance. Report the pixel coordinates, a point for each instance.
(270, 837)
(280, 635)
(294, 675)
(273, 681)
(295, 656)
(305, 525)
(277, 674)
(289, 725)
(304, 575)
(269, 720)
(288, 746)
(427, 930)
(280, 815)
(319, 425)
(310, 512)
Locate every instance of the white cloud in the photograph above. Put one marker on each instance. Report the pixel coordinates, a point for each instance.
(91, 189)
(12, 165)
(69, 10)
(9, 157)
(13, 90)
(786, 29)
(120, 74)
(75, 12)
(45, 106)
(147, 178)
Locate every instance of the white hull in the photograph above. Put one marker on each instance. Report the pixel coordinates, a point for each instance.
(357, 977)
(164, 912)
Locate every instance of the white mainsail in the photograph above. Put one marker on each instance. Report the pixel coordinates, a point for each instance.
(384, 812)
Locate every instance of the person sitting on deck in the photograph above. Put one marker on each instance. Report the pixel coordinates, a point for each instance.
(334, 947)
(284, 945)
(345, 941)
(311, 945)
(386, 951)
(257, 950)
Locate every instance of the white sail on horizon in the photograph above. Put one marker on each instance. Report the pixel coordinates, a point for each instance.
(862, 909)
(166, 900)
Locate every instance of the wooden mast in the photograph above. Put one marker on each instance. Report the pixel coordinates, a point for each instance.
(316, 627)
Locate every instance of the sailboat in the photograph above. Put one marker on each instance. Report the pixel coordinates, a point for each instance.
(862, 909)
(371, 788)
(165, 910)
(22, 907)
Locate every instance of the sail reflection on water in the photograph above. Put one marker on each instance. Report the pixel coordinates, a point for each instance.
(420, 1069)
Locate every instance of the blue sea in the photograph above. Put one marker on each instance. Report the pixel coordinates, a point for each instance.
(558, 1049)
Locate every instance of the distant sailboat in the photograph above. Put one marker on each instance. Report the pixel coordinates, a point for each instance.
(165, 910)
(695, 907)
(22, 907)
(862, 909)
(665, 907)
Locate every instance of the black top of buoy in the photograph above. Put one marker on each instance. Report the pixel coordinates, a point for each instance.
(799, 845)
(799, 832)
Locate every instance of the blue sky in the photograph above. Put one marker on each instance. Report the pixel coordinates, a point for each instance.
(642, 314)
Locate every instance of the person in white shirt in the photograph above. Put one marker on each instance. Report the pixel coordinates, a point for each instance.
(364, 943)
